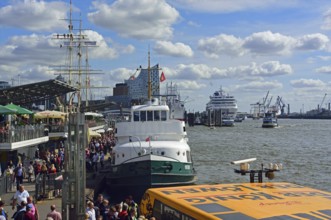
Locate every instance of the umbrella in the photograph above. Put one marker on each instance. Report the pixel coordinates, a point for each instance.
(91, 134)
(5, 110)
(19, 110)
(50, 114)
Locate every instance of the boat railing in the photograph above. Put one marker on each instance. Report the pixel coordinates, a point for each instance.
(94, 123)
(55, 128)
(22, 133)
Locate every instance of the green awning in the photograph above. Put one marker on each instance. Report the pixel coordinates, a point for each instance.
(5, 110)
(19, 110)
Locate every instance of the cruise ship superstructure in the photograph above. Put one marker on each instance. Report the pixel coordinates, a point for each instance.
(222, 109)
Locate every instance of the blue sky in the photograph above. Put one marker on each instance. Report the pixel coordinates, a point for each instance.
(247, 47)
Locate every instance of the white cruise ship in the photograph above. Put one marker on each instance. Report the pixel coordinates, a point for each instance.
(222, 109)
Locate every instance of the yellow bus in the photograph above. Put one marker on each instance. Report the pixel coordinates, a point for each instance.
(268, 201)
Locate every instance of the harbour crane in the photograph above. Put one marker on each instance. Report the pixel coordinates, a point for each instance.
(281, 104)
(321, 105)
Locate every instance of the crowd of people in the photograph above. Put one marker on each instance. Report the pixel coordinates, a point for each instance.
(25, 209)
(51, 161)
(98, 149)
(101, 209)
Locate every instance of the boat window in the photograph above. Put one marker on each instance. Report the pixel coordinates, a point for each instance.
(149, 115)
(136, 116)
(143, 116)
(163, 115)
(156, 115)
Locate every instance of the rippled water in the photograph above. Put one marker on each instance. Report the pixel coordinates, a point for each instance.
(302, 146)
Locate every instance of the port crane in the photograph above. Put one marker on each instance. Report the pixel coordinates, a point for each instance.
(321, 105)
(281, 104)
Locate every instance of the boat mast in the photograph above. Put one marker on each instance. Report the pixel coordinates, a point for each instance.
(149, 77)
(70, 44)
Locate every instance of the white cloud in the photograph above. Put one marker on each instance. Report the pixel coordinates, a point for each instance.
(120, 74)
(269, 68)
(198, 71)
(190, 85)
(226, 6)
(327, 20)
(102, 50)
(169, 48)
(261, 43)
(31, 15)
(324, 58)
(221, 44)
(259, 86)
(302, 83)
(324, 69)
(268, 43)
(37, 73)
(248, 72)
(30, 49)
(137, 19)
(312, 42)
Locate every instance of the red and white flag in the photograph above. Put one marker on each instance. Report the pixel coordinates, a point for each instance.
(162, 78)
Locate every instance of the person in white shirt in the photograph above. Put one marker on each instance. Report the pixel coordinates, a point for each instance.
(90, 212)
(20, 195)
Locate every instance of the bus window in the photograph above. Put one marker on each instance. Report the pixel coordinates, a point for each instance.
(156, 115)
(163, 115)
(163, 211)
(136, 116)
(143, 116)
(149, 115)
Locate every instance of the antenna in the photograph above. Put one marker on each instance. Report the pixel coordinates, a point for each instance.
(149, 76)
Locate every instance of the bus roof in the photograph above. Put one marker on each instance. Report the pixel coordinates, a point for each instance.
(270, 201)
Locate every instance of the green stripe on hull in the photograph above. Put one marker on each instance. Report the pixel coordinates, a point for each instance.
(152, 174)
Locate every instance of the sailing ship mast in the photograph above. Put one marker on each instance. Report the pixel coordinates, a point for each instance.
(75, 73)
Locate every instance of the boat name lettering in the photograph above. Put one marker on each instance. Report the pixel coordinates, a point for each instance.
(250, 196)
(303, 194)
(286, 203)
(235, 188)
(281, 186)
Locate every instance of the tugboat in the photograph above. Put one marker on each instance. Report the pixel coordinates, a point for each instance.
(151, 151)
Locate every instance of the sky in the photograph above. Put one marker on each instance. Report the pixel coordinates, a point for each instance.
(246, 47)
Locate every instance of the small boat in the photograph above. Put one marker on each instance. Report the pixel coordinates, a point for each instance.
(269, 120)
(238, 119)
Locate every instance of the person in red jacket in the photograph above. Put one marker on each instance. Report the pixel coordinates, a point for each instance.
(52, 169)
(124, 213)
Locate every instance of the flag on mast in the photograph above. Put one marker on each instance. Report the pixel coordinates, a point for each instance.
(162, 78)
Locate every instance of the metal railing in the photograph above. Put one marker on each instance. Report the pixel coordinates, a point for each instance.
(7, 184)
(47, 185)
(22, 133)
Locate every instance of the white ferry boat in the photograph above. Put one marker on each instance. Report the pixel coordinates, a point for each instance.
(269, 120)
(223, 108)
(151, 151)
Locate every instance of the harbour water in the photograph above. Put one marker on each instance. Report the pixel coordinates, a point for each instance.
(302, 146)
